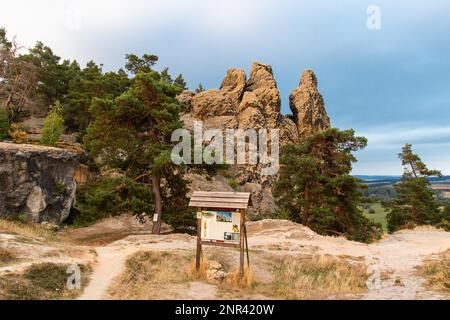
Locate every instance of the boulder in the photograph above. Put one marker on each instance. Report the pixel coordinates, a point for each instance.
(37, 181)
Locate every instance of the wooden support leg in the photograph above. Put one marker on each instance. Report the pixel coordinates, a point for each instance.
(199, 245)
(246, 246)
(241, 242)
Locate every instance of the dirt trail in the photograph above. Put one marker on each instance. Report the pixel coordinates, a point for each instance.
(397, 257)
(110, 264)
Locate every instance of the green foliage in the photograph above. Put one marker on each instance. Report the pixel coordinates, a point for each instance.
(53, 125)
(47, 276)
(144, 64)
(41, 281)
(53, 75)
(316, 188)
(199, 88)
(233, 184)
(282, 214)
(91, 83)
(109, 197)
(4, 124)
(132, 133)
(415, 203)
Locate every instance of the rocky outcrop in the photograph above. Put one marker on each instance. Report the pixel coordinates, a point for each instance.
(254, 103)
(223, 101)
(308, 107)
(260, 104)
(37, 181)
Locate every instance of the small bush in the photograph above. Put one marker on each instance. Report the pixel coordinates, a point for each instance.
(53, 125)
(48, 276)
(371, 211)
(234, 184)
(41, 282)
(282, 214)
(4, 124)
(17, 134)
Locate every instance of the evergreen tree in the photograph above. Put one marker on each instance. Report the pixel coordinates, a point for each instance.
(144, 64)
(132, 133)
(53, 76)
(53, 125)
(199, 88)
(179, 81)
(88, 84)
(165, 76)
(316, 187)
(415, 203)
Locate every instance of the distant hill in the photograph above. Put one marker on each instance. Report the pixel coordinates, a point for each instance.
(384, 180)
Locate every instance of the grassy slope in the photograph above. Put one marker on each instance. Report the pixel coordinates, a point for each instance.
(378, 216)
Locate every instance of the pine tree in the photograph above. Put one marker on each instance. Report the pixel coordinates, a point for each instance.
(53, 125)
(316, 187)
(132, 133)
(415, 203)
(199, 88)
(179, 81)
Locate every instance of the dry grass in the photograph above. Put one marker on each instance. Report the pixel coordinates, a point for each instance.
(27, 230)
(6, 256)
(232, 278)
(437, 272)
(41, 281)
(315, 277)
(148, 272)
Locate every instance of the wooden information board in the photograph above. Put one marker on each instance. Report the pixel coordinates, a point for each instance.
(221, 221)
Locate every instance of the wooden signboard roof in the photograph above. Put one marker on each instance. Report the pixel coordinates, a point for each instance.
(232, 200)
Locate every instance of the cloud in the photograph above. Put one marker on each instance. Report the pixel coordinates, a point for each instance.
(391, 85)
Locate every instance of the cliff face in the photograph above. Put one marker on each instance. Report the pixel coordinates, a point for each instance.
(242, 103)
(37, 181)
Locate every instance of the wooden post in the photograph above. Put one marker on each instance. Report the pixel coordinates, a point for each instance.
(199, 242)
(246, 246)
(241, 243)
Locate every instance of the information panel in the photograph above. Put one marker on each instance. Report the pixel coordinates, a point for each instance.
(220, 226)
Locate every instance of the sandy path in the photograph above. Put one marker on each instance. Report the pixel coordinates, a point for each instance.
(397, 257)
(110, 264)
(111, 259)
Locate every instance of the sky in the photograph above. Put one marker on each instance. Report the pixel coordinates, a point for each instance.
(391, 83)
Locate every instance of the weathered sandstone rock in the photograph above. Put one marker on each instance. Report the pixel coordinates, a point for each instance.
(37, 181)
(308, 107)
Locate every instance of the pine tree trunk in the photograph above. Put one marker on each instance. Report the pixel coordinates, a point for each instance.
(157, 198)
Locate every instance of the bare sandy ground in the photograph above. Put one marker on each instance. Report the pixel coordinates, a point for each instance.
(392, 261)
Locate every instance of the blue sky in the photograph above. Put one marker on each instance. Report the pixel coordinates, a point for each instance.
(391, 85)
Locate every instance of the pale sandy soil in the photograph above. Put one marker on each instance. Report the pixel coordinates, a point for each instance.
(392, 261)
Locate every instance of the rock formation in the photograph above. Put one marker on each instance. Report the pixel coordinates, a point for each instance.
(37, 181)
(308, 107)
(254, 103)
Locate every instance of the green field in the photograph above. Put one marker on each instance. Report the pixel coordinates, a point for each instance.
(378, 216)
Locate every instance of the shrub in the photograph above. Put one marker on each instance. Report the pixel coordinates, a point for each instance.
(4, 124)
(372, 211)
(282, 214)
(53, 125)
(17, 134)
(233, 184)
(110, 197)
